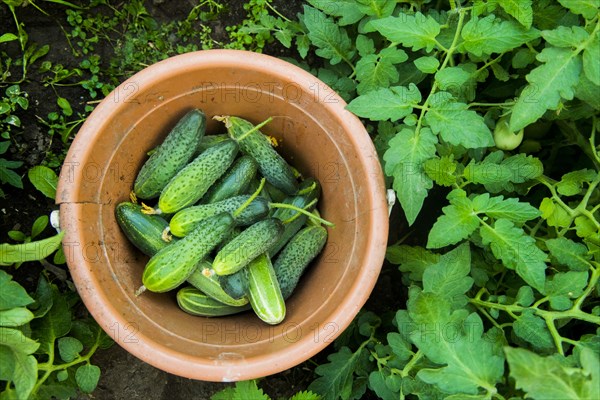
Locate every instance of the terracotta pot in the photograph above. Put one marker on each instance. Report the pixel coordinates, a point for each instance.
(316, 134)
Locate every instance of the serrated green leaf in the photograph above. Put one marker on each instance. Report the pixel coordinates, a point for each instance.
(449, 278)
(546, 378)
(498, 207)
(533, 330)
(415, 31)
(470, 361)
(441, 170)
(305, 395)
(400, 347)
(452, 79)
(458, 125)
(567, 252)
(348, 10)
(44, 179)
(332, 42)
(411, 259)
(378, 385)
(520, 10)
(485, 36)
(11, 293)
(522, 58)
(497, 174)
(564, 36)
(55, 324)
(377, 8)
(427, 64)
(549, 83)
(15, 317)
(525, 296)
(32, 251)
(365, 45)
(571, 184)
(591, 60)
(554, 214)
(458, 222)
(378, 71)
(87, 377)
(389, 103)
(336, 377)
(570, 284)
(69, 348)
(516, 250)
(403, 161)
(587, 8)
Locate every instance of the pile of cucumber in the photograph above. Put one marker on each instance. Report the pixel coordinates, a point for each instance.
(234, 225)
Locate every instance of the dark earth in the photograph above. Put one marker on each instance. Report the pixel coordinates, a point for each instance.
(124, 376)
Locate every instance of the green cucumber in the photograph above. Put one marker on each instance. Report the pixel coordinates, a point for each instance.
(194, 180)
(257, 145)
(209, 141)
(143, 231)
(236, 284)
(248, 245)
(187, 219)
(171, 266)
(194, 302)
(264, 292)
(297, 255)
(235, 181)
(171, 156)
(209, 284)
(309, 190)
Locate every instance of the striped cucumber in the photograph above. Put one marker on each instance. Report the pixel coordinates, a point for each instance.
(235, 181)
(143, 231)
(192, 182)
(264, 292)
(194, 302)
(171, 266)
(209, 284)
(236, 284)
(297, 255)
(171, 156)
(254, 143)
(248, 245)
(187, 219)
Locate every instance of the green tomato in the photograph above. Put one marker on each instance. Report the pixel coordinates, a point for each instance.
(506, 139)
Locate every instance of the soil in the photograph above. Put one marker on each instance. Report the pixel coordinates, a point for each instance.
(124, 376)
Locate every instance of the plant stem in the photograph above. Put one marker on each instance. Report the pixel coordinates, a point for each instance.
(410, 365)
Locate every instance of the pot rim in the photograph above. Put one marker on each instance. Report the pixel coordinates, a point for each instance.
(195, 367)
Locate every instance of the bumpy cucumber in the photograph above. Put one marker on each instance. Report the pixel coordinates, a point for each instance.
(264, 292)
(171, 156)
(248, 245)
(187, 219)
(270, 163)
(193, 301)
(236, 284)
(209, 141)
(210, 285)
(309, 190)
(171, 266)
(234, 182)
(296, 255)
(143, 231)
(192, 182)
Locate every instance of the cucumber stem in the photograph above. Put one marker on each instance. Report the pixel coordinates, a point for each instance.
(257, 127)
(150, 211)
(140, 290)
(307, 190)
(302, 211)
(133, 197)
(241, 208)
(166, 234)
